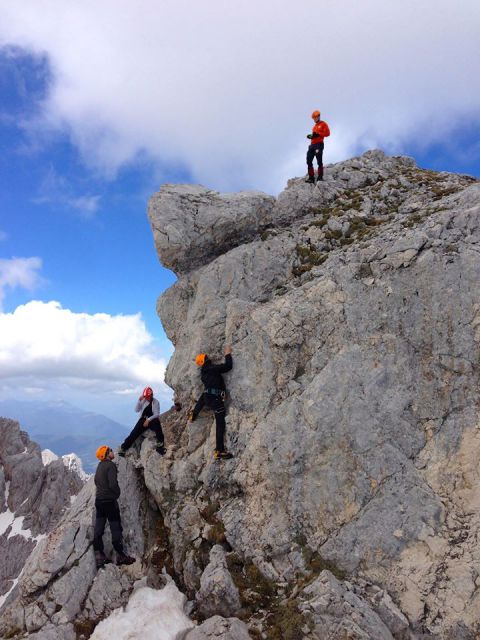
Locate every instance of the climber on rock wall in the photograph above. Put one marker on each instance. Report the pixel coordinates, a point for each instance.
(149, 419)
(106, 506)
(315, 150)
(214, 397)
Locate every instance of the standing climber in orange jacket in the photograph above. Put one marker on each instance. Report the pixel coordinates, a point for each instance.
(315, 150)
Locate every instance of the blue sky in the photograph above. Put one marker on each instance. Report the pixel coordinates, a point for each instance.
(101, 102)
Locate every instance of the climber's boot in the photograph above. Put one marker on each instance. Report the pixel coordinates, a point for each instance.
(160, 448)
(320, 174)
(311, 176)
(222, 455)
(122, 558)
(121, 452)
(100, 559)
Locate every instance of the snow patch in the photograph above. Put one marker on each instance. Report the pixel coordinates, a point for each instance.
(6, 520)
(9, 520)
(5, 595)
(149, 615)
(70, 460)
(73, 463)
(48, 457)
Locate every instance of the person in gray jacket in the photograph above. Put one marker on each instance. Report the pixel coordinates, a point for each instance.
(106, 505)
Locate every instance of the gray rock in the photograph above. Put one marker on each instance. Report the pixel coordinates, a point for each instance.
(33, 498)
(59, 580)
(348, 388)
(352, 308)
(218, 628)
(191, 223)
(52, 632)
(218, 594)
(335, 611)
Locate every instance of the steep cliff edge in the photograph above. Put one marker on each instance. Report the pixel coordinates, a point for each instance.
(352, 505)
(353, 311)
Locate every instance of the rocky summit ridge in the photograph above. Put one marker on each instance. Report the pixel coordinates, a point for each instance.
(34, 493)
(351, 508)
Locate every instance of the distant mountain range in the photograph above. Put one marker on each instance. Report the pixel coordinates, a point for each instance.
(64, 428)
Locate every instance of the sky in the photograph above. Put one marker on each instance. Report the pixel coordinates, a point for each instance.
(103, 101)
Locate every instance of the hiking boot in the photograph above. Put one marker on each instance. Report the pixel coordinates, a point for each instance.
(100, 559)
(310, 179)
(121, 452)
(160, 449)
(124, 559)
(222, 455)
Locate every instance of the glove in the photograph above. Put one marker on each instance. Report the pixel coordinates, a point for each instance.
(315, 135)
(310, 136)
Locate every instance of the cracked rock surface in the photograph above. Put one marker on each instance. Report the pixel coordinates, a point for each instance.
(351, 508)
(33, 497)
(352, 308)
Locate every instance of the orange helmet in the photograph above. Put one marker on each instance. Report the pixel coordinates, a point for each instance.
(200, 359)
(147, 392)
(315, 114)
(102, 452)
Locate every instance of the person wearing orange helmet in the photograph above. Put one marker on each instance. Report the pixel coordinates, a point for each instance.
(106, 508)
(149, 409)
(214, 397)
(315, 150)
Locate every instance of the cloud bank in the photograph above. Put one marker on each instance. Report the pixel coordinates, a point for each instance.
(49, 351)
(225, 90)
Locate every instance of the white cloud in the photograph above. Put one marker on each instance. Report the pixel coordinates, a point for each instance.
(52, 346)
(55, 189)
(87, 205)
(19, 272)
(227, 88)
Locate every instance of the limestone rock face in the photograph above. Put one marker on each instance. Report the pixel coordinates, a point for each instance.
(218, 628)
(59, 592)
(218, 593)
(33, 496)
(336, 610)
(351, 507)
(192, 224)
(352, 308)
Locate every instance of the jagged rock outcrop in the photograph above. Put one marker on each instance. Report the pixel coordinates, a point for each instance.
(33, 496)
(59, 590)
(218, 628)
(352, 505)
(218, 594)
(352, 308)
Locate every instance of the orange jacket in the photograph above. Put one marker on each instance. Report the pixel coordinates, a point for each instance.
(321, 128)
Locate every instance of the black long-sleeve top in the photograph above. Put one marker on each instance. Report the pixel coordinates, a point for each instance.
(211, 374)
(106, 481)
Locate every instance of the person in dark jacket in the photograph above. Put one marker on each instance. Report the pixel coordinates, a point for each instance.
(149, 409)
(214, 397)
(106, 505)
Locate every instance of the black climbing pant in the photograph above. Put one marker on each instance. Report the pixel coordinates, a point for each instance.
(108, 510)
(138, 429)
(315, 151)
(216, 403)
